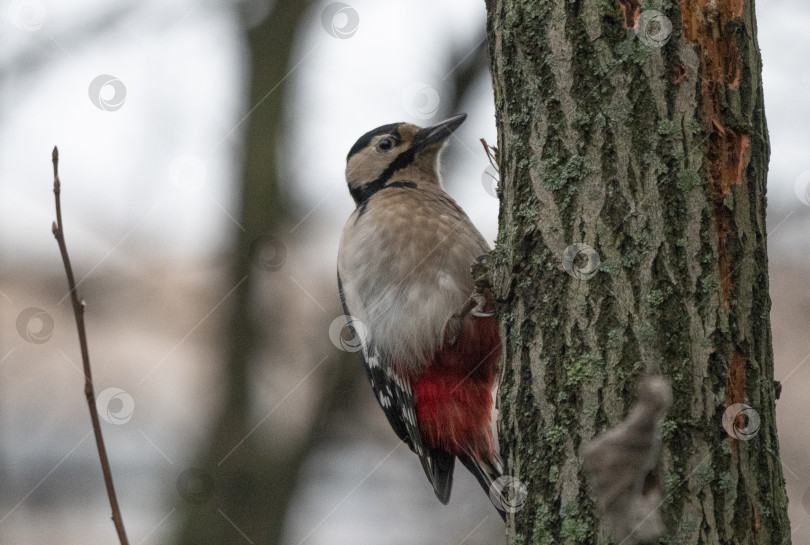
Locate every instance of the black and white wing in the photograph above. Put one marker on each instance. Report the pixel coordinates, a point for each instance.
(395, 396)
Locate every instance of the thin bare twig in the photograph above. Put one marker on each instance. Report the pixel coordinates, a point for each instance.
(89, 393)
(492, 153)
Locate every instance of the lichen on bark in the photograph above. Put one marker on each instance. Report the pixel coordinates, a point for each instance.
(655, 156)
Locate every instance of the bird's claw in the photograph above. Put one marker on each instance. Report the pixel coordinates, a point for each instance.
(480, 304)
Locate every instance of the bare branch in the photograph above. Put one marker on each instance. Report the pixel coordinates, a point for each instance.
(78, 312)
(623, 467)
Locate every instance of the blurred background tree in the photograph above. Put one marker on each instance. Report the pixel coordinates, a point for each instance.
(254, 483)
(203, 213)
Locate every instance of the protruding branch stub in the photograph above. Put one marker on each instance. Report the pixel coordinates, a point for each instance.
(492, 153)
(623, 467)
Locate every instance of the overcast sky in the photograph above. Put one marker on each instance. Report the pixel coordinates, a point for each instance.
(154, 172)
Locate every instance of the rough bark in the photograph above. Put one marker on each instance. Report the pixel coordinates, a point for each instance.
(656, 155)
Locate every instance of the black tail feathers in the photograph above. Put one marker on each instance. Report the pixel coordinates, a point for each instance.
(490, 476)
(506, 493)
(440, 473)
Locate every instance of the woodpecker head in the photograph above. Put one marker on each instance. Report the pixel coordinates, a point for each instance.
(396, 150)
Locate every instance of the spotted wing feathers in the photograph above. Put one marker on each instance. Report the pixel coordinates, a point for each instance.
(395, 396)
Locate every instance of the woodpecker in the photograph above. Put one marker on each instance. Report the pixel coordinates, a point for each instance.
(430, 341)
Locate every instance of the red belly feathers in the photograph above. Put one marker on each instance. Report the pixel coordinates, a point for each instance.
(454, 394)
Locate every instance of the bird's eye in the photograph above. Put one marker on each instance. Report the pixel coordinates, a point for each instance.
(385, 144)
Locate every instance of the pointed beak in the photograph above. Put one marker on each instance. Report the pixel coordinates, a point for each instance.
(437, 133)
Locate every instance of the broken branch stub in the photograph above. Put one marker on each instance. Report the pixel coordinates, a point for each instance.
(623, 467)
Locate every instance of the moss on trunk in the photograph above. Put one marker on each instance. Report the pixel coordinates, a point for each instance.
(650, 147)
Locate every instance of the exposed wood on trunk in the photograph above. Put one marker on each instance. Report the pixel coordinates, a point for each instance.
(652, 150)
(630, 11)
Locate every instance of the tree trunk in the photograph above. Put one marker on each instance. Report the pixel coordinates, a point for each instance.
(251, 481)
(652, 149)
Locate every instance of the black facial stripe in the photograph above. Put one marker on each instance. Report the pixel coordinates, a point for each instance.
(362, 193)
(366, 139)
(363, 204)
(409, 185)
(403, 159)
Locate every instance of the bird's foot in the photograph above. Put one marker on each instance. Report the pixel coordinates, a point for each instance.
(481, 302)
